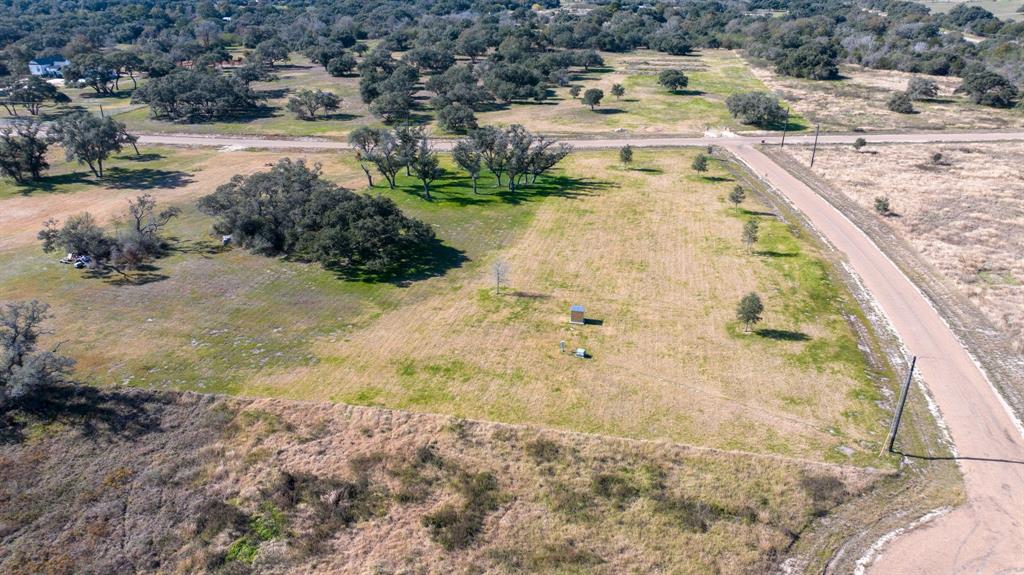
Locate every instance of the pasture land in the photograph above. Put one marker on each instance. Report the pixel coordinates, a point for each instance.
(857, 102)
(1003, 9)
(653, 251)
(961, 211)
(646, 108)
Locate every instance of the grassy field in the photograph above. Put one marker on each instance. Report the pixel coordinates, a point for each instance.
(858, 100)
(647, 108)
(653, 251)
(151, 168)
(1003, 9)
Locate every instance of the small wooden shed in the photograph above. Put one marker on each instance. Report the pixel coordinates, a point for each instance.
(576, 315)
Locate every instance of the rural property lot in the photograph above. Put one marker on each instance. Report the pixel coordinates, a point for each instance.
(653, 252)
(858, 102)
(962, 210)
(646, 108)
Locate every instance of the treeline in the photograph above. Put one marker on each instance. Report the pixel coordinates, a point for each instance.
(515, 51)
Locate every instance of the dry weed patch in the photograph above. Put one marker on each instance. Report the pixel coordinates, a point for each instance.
(958, 205)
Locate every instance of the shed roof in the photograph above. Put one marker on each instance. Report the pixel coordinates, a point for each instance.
(49, 60)
(576, 308)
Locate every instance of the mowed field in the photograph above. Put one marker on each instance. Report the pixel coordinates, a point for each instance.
(963, 212)
(646, 108)
(1002, 9)
(652, 251)
(858, 100)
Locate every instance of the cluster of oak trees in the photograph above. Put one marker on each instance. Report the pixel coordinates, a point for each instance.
(85, 138)
(290, 210)
(513, 154)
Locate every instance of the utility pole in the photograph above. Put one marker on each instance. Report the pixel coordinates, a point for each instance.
(814, 150)
(899, 408)
(785, 128)
(101, 111)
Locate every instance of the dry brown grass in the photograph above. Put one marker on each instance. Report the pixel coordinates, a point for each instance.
(858, 101)
(21, 216)
(964, 213)
(205, 476)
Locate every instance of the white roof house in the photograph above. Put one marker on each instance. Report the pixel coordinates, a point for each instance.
(51, 66)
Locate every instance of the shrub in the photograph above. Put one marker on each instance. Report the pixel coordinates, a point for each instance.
(700, 163)
(543, 450)
(456, 527)
(737, 195)
(673, 79)
(900, 103)
(988, 89)
(457, 117)
(814, 60)
(882, 205)
(749, 310)
(922, 88)
(758, 108)
(626, 154)
(859, 143)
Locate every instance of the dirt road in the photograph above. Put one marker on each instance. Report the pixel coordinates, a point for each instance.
(985, 535)
(240, 142)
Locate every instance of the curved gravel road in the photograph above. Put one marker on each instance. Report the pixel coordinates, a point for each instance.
(986, 534)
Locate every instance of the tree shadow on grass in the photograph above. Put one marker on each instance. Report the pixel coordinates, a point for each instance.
(147, 157)
(453, 191)
(782, 334)
(783, 126)
(203, 248)
(552, 186)
(141, 275)
(647, 170)
(434, 260)
(339, 117)
(145, 178)
(686, 92)
(747, 212)
(774, 254)
(272, 93)
(50, 184)
(608, 111)
(121, 412)
(530, 295)
(718, 179)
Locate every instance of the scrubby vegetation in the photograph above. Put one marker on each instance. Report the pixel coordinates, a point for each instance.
(265, 487)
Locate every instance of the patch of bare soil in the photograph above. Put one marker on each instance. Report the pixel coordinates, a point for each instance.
(959, 205)
(134, 481)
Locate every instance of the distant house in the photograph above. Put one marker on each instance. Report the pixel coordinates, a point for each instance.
(49, 67)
